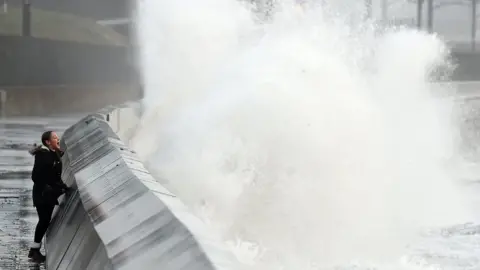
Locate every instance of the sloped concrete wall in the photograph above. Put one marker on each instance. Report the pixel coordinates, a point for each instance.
(119, 217)
(61, 99)
(123, 119)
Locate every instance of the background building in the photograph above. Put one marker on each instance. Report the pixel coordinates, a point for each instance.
(112, 12)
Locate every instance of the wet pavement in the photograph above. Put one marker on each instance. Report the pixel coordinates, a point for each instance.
(17, 214)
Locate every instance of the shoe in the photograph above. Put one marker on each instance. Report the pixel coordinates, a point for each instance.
(35, 255)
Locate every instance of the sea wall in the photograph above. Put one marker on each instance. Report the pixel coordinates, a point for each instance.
(118, 216)
(63, 99)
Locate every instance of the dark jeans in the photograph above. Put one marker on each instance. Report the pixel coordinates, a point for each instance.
(44, 212)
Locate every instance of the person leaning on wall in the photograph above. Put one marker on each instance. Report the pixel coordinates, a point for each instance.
(47, 187)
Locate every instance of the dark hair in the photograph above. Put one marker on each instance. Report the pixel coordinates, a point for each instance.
(46, 136)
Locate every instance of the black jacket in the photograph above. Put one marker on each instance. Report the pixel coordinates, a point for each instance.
(46, 176)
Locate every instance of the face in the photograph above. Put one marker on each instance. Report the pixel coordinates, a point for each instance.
(54, 142)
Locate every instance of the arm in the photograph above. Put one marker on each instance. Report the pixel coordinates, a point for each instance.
(61, 185)
(57, 173)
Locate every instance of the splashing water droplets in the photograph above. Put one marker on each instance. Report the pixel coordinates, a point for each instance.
(303, 141)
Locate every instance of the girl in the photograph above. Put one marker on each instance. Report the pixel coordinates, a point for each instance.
(47, 187)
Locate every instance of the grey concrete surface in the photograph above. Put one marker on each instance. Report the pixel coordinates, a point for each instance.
(17, 214)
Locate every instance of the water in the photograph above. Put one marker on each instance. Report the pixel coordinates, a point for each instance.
(307, 142)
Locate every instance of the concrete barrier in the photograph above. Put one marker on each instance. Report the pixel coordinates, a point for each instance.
(124, 119)
(119, 217)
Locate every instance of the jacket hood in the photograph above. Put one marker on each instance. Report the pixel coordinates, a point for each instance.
(36, 148)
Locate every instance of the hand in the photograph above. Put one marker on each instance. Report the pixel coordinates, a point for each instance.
(66, 190)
